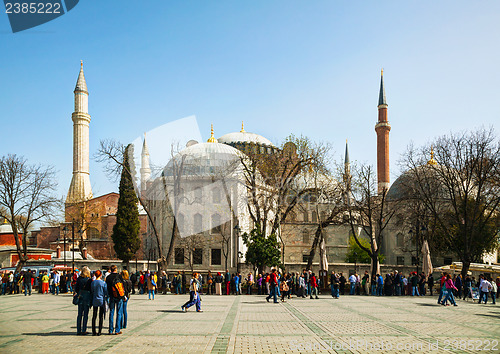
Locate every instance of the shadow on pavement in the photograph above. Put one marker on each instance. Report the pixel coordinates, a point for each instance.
(169, 311)
(49, 334)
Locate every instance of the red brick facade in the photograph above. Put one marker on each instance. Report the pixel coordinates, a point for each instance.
(99, 215)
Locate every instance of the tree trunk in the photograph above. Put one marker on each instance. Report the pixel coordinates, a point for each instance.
(375, 265)
(313, 247)
(465, 269)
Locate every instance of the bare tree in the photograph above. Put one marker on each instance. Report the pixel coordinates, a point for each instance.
(111, 153)
(271, 179)
(369, 213)
(461, 190)
(26, 197)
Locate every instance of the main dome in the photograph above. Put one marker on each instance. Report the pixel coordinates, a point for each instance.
(204, 159)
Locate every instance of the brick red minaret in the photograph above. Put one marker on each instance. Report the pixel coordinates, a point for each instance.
(382, 128)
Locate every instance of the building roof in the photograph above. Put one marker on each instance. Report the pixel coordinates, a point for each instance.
(244, 137)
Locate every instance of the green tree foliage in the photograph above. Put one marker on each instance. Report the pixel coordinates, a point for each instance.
(126, 230)
(261, 251)
(358, 255)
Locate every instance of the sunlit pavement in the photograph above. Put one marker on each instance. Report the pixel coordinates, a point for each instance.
(248, 324)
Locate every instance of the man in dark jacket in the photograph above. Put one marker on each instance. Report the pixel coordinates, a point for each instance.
(115, 300)
(27, 276)
(342, 282)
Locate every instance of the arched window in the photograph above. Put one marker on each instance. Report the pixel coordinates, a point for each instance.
(400, 240)
(306, 216)
(305, 236)
(198, 195)
(216, 227)
(198, 224)
(314, 216)
(92, 233)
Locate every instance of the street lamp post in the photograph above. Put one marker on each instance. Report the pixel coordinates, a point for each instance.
(73, 247)
(65, 231)
(237, 230)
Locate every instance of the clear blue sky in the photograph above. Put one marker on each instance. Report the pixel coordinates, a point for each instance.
(302, 67)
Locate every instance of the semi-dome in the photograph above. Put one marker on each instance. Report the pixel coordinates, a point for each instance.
(205, 159)
(244, 137)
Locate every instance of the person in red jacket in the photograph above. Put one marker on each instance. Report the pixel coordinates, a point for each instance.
(273, 287)
(314, 286)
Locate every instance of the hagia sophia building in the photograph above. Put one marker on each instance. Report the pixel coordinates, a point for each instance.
(218, 229)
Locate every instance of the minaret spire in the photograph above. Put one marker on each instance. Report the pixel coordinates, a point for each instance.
(145, 168)
(80, 188)
(382, 128)
(347, 175)
(212, 137)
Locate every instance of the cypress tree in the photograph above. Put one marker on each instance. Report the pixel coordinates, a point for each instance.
(126, 230)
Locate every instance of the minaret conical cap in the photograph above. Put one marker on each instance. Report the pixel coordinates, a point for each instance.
(381, 97)
(145, 150)
(81, 85)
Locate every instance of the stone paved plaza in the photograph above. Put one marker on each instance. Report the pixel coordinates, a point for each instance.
(248, 324)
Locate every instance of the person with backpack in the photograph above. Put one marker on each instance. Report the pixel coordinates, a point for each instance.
(116, 292)
(82, 293)
(127, 287)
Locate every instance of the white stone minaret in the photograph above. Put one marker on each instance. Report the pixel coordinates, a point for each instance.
(80, 189)
(145, 169)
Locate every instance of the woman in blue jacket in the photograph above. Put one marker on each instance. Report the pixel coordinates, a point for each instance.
(99, 298)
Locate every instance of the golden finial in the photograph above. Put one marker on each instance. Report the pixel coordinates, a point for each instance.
(81, 63)
(242, 128)
(382, 72)
(432, 161)
(212, 138)
(5, 220)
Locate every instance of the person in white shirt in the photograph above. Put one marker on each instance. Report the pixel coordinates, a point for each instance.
(485, 287)
(352, 280)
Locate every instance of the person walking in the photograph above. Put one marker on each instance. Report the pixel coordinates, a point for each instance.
(342, 282)
(99, 292)
(314, 286)
(82, 291)
(284, 288)
(127, 288)
(116, 293)
(493, 292)
(450, 286)
(273, 284)
(194, 295)
(151, 285)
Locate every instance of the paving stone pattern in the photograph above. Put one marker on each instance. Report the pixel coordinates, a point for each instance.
(248, 324)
